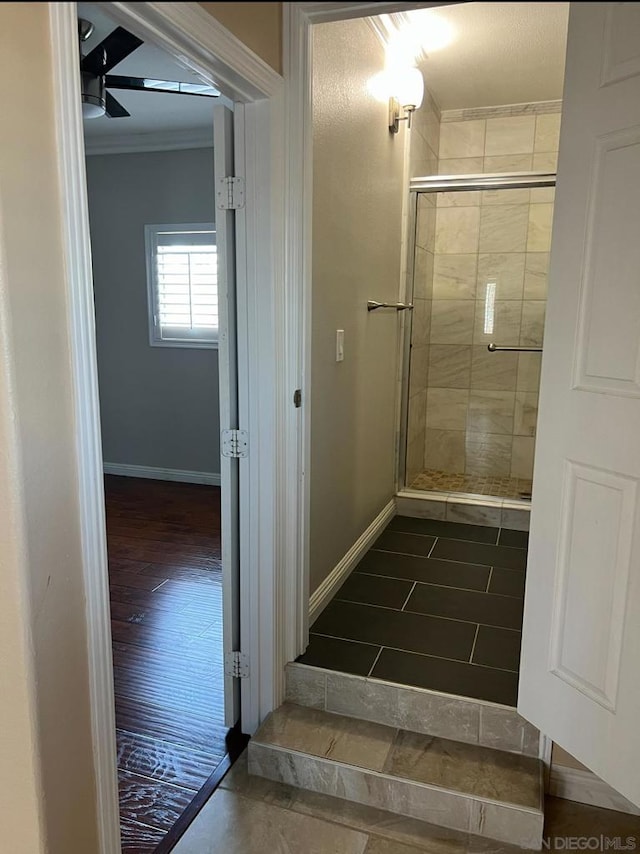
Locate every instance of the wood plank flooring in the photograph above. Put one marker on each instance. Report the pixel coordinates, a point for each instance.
(166, 620)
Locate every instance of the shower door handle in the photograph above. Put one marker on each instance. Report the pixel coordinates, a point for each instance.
(494, 348)
(372, 305)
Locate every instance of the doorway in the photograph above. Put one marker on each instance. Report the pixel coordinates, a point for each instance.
(161, 302)
(434, 595)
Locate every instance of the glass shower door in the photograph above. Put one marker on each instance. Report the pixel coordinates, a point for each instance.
(480, 278)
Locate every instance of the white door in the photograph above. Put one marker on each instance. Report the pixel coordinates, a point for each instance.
(223, 148)
(580, 671)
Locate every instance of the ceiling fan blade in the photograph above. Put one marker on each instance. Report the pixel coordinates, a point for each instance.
(114, 110)
(111, 50)
(172, 87)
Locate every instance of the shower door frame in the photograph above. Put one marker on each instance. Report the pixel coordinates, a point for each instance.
(444, 184)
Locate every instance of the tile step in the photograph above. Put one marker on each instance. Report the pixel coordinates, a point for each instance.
(469, 788)
(473, 509)
(388, 833)
(418, 709)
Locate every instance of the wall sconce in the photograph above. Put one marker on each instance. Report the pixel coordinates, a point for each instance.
(408, 89)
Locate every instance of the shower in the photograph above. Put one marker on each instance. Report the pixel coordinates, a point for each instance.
(477, 268)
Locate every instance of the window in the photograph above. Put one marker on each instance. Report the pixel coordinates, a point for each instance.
(182, 282)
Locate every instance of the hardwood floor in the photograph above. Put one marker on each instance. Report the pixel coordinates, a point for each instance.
(166, 619)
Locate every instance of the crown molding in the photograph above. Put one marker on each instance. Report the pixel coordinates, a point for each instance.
(132, 143)
(318, 13)
(534, 108)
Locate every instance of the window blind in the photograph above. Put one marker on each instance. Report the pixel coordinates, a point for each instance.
(186, 285)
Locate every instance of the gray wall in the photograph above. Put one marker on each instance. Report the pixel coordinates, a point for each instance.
(357, 222)
(159, 405)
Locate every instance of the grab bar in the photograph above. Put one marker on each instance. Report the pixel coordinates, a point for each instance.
(372, 305)
(493, 348)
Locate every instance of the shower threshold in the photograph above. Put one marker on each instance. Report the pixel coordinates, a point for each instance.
(433, 480)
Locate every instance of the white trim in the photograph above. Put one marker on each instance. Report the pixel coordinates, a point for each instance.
(339, 574)
(545, 750)
(269, 612)
(200, 42)
(133, 143)
(533, 108)
(296, 439)
(200, 339)
(318, 13)
(156, 473)
(70, 149)
(574, 784)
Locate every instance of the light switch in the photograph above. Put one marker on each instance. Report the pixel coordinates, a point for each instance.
(339, 345)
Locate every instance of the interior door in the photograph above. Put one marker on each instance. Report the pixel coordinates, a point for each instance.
(580, 677)
(223, 147)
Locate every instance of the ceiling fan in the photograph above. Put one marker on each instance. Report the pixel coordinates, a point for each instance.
(96, 80)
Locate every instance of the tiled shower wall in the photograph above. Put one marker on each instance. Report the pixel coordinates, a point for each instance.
(424, 143)
(481, 407)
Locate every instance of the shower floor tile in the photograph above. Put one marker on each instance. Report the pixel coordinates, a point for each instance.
(432, 604)
(500, 487)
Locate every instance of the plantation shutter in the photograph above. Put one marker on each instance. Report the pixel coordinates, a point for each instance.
(184, 272)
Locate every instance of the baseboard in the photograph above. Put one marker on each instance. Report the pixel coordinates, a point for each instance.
(154, 473)
(321, 597)
(584, 787)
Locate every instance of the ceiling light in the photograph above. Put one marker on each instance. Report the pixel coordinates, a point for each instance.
(91, 110)
(94, 102)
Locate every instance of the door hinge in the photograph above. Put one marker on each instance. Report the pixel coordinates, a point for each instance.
(235, 443)
(230, 194)
(297, 398)
(236, 665)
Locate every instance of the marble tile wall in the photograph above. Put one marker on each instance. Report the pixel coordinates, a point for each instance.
(488, 282)
(424, 143)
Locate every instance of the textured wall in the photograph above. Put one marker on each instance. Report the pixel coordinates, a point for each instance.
(47, 787)
(159, 405)
(357, 218)
(258, 25)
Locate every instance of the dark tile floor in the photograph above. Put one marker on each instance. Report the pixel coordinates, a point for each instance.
(432, 604)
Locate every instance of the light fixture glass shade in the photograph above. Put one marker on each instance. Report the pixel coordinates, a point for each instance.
(93, 96)
(92, 110)
(379, 87)
(409, 87)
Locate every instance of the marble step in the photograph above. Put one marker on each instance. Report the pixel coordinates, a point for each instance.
(418, 709)
(388, 833)
(490, 512)
(472, 789)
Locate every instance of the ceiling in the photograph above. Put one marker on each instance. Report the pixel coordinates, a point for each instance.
(152, 113)
(501, 53)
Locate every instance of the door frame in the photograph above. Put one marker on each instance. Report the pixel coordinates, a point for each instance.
(269, 618)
